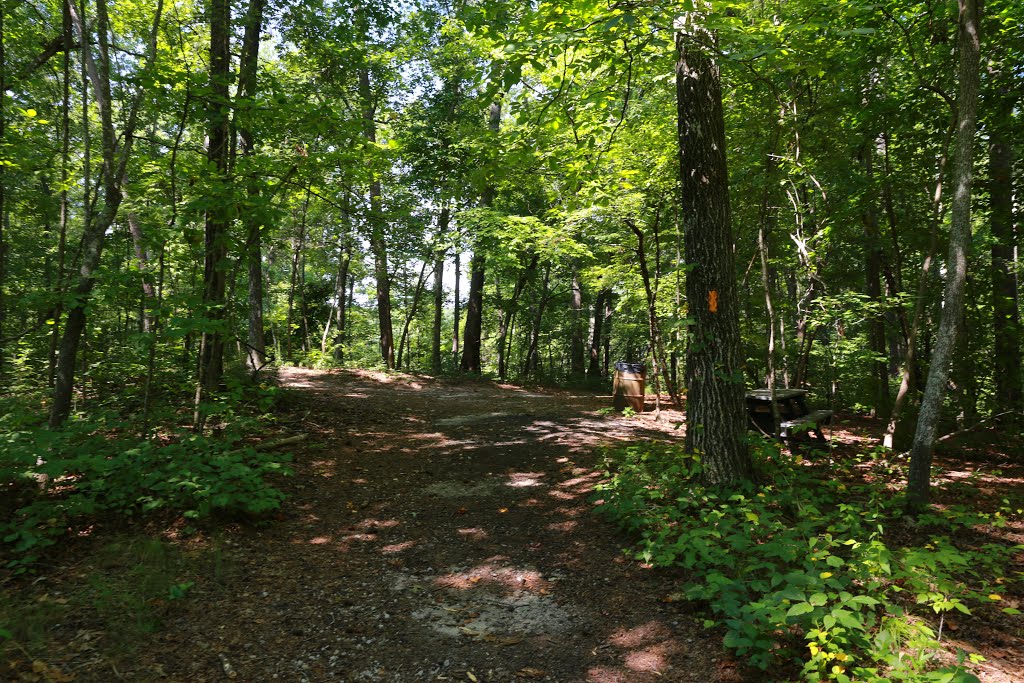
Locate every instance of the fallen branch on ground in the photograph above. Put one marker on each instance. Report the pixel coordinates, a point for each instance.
(961, 432)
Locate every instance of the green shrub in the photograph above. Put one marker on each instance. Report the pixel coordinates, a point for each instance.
(801, 570)
(91, 469)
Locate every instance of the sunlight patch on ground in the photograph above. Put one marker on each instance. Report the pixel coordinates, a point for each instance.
(474, 533)
(396, 548)
(522, 480)
(371, 523)
(639, 636)
(460, 420)
(510, 578)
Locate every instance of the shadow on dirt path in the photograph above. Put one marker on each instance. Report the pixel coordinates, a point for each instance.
(441, 531)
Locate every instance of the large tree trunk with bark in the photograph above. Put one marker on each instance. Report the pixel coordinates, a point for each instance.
(716, 415)
(443, 220)
(378, 243)
(256, 354)
(919, 479)
(218, 216)
(576, 353)
(472, 335)
(594, 367)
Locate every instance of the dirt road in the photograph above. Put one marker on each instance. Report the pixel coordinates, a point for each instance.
(441, 531)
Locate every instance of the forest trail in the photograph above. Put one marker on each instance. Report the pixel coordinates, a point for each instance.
(441, 531)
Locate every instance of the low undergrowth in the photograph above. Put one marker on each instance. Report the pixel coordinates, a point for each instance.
(817, 570)
(96, 614)
(57, 483)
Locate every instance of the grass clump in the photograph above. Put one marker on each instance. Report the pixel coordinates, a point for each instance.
(812, 571)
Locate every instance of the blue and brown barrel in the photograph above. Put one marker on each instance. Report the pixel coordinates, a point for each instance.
(628, 386)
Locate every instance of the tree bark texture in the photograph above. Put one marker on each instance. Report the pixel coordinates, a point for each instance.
(443, 221)
(1005, 305)
(716, 413)
(218, 217)
(256, 355)
(472, 335)
(378, 238)
(576, 352)
(594, 368)
(919, 479)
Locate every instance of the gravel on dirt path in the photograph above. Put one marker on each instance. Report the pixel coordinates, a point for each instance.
(442, 531)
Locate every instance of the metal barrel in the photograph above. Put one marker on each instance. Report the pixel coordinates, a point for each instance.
(628, 386)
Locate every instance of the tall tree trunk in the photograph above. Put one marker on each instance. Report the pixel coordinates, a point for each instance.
(607, 328)
(340, 285)
(897, 427)
(114, 163)
(420, 281)
(659, 367)
(764, 228)
(1005, 305)
(508, 319)
(65, 148)
(378, 244)
(873, 287)
(715, 411)
(594, 368)
(298, 243)
(142, 259)
(3, 187)
(919, 479)
(218, 217)
(455, 306)
(435, 334)
(256, 353)
(576, 352)
(472, 335)
(533, 351)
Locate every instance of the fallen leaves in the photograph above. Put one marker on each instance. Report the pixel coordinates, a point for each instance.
(531, 672)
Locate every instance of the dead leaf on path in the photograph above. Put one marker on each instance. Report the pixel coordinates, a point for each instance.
(505, 642)
(470, 676)
(461, 511)
(51, 674)
(530, 672)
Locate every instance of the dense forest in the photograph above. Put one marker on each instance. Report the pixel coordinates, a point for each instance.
(809, 194)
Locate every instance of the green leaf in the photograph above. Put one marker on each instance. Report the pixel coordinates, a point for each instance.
(800, 608)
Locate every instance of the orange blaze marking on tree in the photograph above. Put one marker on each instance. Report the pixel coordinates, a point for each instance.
(713, 301)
